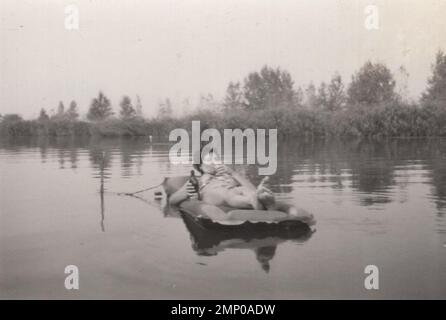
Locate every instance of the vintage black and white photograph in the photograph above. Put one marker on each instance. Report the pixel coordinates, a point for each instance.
(222, 149)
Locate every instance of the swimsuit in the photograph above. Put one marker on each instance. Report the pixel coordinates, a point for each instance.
(226, 181)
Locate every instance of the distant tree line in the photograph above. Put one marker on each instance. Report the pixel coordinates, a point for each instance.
(371, 105)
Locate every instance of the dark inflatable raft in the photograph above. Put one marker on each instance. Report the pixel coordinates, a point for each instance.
(227, 218)
(212, 241)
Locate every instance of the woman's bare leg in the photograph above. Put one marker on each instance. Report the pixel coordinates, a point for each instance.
(242, 197)
(239, 201)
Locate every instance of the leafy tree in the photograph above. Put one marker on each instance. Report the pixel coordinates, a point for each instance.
(436, 84)
(72, 113)
(165, 109)
(127, 111)
(372, 84)
(138, 107)
(322, 96)
(12, 117)
(234, 97)
(43, 116)
(402, 88)
(207, 102)
(60, 113)
(311, 99)
(269, 88)
(60, 109)
(100, 108)
(298, 97)
(336, 96)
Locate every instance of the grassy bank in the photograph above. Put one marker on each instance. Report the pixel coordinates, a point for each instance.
(386, 120)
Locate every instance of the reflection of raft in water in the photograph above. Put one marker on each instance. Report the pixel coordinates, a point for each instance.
(230, 219)
(263, 242)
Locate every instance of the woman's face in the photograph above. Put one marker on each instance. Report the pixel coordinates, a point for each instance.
(210, 163)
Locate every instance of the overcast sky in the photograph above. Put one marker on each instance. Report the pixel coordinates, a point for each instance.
(184, 48)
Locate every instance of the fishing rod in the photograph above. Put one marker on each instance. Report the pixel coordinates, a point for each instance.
(158, 195)
(156, 204)
(139, 191)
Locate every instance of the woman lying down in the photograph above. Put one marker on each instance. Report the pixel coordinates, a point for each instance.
(220, 185)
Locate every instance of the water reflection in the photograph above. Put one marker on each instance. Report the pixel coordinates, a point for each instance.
(132, 153)
(100, 155)
(438, 176)
(263, 241)
(102, 190)
(372, 169)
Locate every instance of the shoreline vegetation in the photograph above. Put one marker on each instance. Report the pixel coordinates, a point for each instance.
(372, 105)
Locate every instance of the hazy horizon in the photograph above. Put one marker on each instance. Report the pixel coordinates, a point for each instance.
(181, 49)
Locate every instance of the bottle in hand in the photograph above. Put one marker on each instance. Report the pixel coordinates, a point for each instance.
(194, 182)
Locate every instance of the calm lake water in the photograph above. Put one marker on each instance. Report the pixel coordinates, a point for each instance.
(376, 203)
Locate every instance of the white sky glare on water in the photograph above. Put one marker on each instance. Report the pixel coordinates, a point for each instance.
(184, 48)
